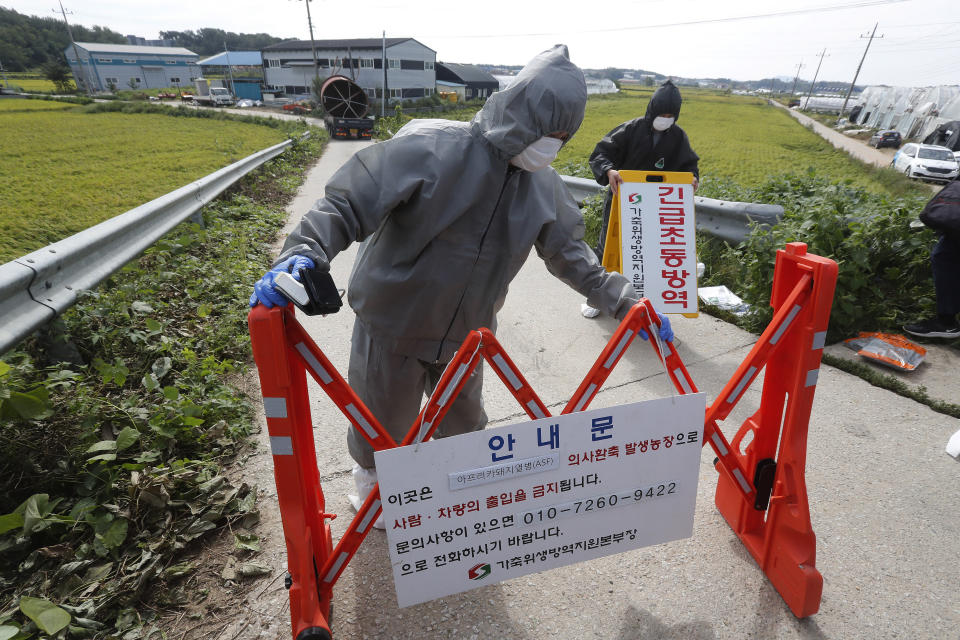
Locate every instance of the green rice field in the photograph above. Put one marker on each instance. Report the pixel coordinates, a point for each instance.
(14, 105)
(63, 170)
(30, 84)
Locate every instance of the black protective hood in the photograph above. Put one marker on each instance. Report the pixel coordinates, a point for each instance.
(666, 99)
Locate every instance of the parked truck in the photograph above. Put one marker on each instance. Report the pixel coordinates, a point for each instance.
(345, 107)
(211, 96)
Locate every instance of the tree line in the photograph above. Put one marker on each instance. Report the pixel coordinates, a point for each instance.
(208, 41)
(32, 42)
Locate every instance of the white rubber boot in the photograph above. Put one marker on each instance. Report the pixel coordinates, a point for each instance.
(588, 312)
(365, 480)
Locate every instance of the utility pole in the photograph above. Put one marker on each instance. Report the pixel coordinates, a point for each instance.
(793, 91)
(3, 73)
(313, 44)
(850, 90)
(813, 84)
(383, 95)
(233, 87)
(76, 53)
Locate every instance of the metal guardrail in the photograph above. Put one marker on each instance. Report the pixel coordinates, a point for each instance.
(41, 285)
(723, 219)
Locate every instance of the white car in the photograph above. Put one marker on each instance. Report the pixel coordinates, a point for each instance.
(926, 162)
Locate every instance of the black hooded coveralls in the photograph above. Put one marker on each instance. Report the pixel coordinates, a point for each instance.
(631, 146)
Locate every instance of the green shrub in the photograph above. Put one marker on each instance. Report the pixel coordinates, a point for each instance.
(69, 99)
(110, 470)
(884, 273)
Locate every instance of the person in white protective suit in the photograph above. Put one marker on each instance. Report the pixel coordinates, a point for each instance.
(449, 212)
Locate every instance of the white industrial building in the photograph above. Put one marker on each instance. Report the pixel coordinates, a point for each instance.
(288, 67)
(97, 67)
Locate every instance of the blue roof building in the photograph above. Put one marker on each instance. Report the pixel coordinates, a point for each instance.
(98, 67)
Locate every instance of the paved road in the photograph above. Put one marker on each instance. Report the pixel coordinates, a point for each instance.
(857, 148)
(882, 496)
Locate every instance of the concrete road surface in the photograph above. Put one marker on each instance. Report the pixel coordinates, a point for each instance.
(883, 500)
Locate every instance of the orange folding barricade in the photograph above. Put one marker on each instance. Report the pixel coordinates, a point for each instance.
(761, 490)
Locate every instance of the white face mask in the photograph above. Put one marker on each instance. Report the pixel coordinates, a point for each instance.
(662, 124)
(538, 155)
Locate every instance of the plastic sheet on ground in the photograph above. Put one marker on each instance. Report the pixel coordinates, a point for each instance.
(723, 298)
(890, 349)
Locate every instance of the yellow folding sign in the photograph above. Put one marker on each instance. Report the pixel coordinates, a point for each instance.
(612, 253)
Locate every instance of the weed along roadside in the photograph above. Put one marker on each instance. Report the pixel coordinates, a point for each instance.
(113, 470)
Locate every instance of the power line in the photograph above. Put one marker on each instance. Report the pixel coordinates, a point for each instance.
(774, 14)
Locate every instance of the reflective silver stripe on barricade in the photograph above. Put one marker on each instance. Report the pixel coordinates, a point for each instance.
(744, 381)
(682, 380)
(812, 376)
(336, 567)
(719, 443)
(453, 385)
(356, 415)
(314, 363)
(506, 371)
(819, 339)
(620, 347)
(786, 324)
(422, 431)
(743, 481)
(535, 408)
(275, 407)
(365, 523)
(585, 397)
(281, 445)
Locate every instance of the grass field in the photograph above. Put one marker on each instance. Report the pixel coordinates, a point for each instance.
(739, 138)
(40, 85)
(19, 105)
(62, 170)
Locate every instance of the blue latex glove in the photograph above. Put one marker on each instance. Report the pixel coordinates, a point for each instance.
(666, 332)
(264, 291)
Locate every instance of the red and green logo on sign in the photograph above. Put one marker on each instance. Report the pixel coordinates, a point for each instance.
(479, 572)
(634, 198)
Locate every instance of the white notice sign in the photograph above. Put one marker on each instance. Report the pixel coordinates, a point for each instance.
(659, 243)
(483, 507)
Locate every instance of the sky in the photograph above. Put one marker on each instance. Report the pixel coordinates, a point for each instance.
(738, 39)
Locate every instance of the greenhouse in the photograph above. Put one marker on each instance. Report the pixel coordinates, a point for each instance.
(917, 113)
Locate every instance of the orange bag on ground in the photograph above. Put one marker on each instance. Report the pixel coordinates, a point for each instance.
(890, 349)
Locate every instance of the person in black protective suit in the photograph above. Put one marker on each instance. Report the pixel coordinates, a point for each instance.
(448, 212)
(945, 260)
(651, 143)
